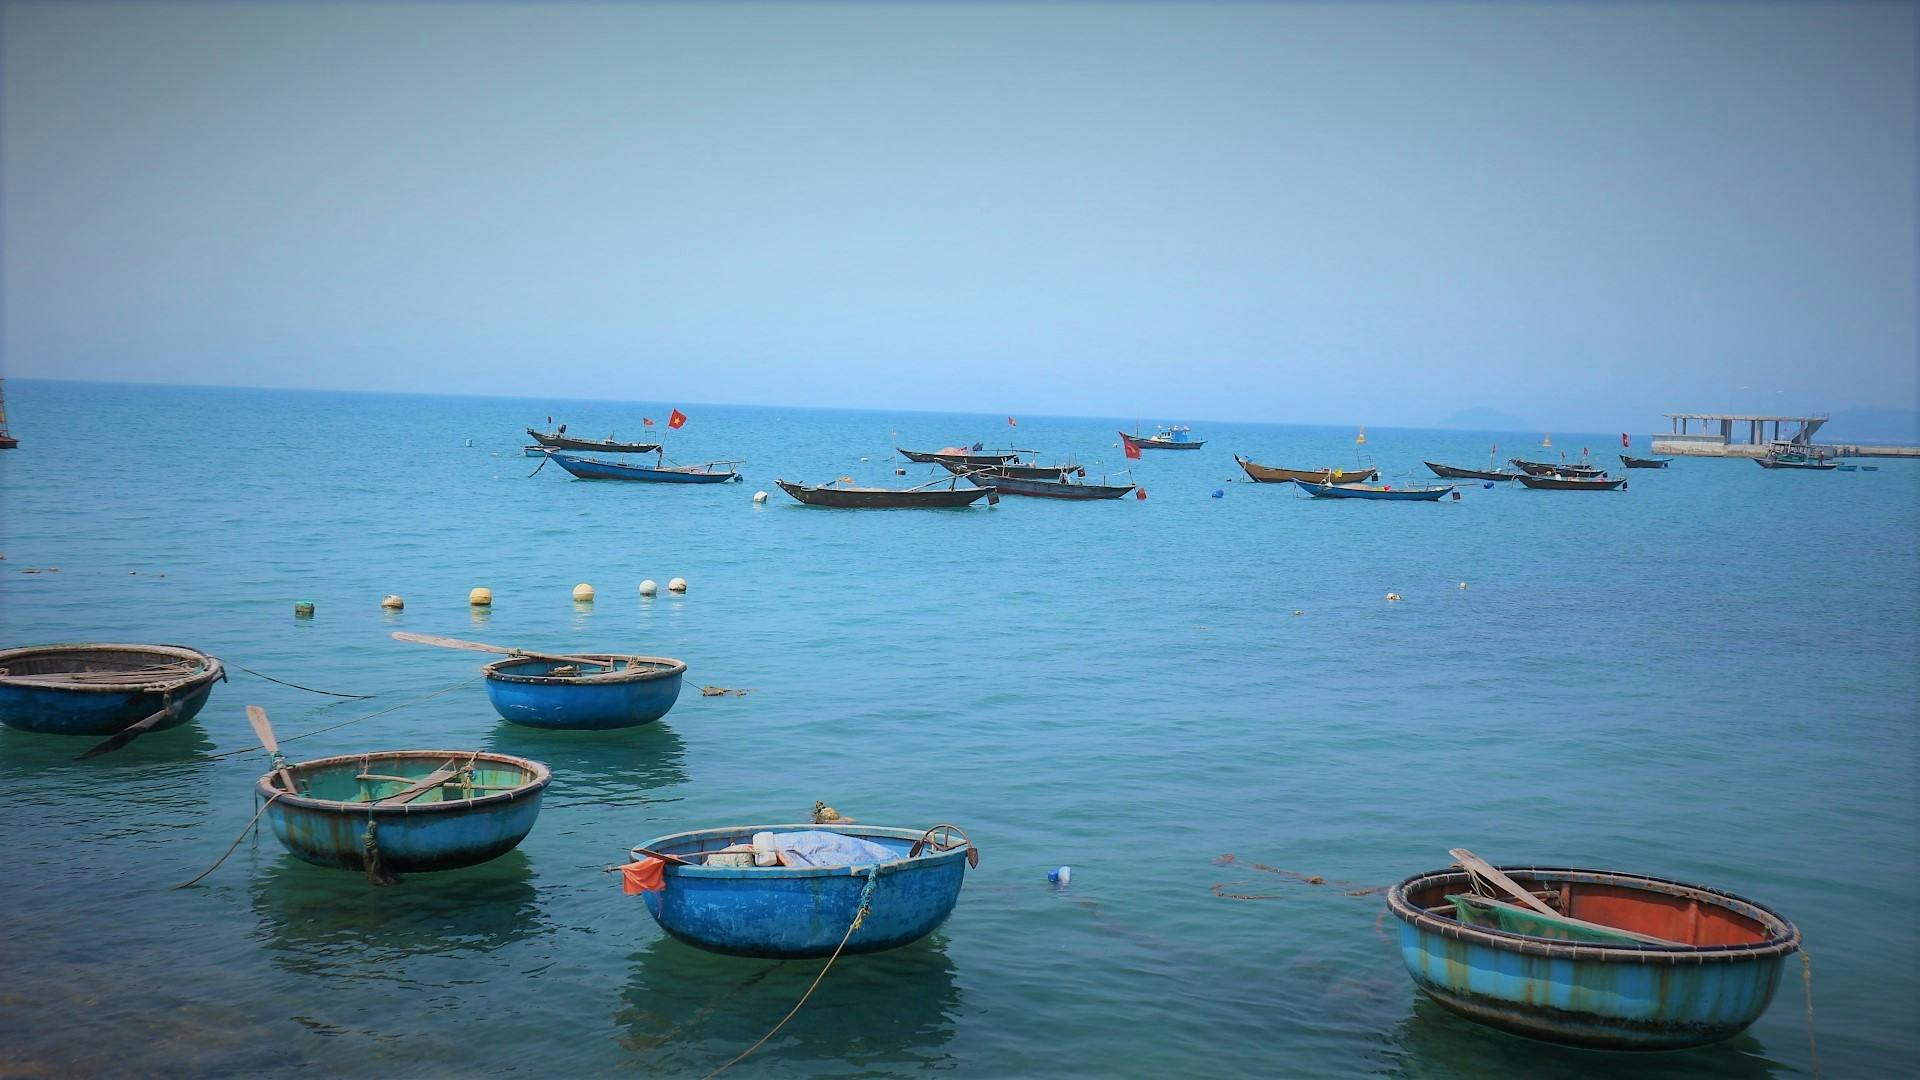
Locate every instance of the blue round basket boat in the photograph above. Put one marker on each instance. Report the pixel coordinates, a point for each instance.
(1627, 963)
(101, 689)
(548, 693)
(405, 811)
(780, 912)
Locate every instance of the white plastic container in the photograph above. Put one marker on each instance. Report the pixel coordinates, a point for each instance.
(764, 853)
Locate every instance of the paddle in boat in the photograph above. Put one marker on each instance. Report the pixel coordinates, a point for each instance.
(1592, 958)
(593, 691)
(1386, 493)
(560, 440)
(791, 891)
(1645, 463)
(842, 494)
(1541, 468)
(713, 472)
(1060, 487)
(1273, 474)
(117, 690)
(1177, 437)
(960, 455)
(1560, 482)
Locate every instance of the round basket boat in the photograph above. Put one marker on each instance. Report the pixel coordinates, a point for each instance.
(631, 691)
(415, 810)
(1593, 975)
(100, 689)
(781, 912)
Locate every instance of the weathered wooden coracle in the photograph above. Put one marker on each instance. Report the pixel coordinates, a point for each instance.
(1595, 958)
(404, 811)
(562, 692)
(104, 689)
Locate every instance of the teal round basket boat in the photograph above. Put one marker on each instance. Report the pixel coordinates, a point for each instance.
(786, 912)
(405, 811)
(1624, 962)
(103, 689)
(626, 691)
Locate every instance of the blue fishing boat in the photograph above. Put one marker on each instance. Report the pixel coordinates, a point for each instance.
(594, 469)
(1616, 961)
(104, 689)
(1387, 493)
(604, 691)
(402, 811)
(909, 885)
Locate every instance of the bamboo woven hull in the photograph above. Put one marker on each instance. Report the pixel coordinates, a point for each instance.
(524, 692)
(98, 710)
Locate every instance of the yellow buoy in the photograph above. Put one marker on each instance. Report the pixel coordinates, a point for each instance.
(583, 592)
(392, 602)
(678, 584)
(649, 587)
(480, 597)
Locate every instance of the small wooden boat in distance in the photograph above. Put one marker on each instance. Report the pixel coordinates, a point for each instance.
(1177, 437)
(626, 691)
(102, 689)
(1058, 488)
(1454, 472)
(1380, 494)
(1619, 961)
(1273, 474)
(1027, 471)
(1553, 482)
(1541, 468)
(847, 497)
(587, 468)
(412, 810)
(791, 911)
(560, 440)
(959, 456)
(1796, 461)
(1645, 463)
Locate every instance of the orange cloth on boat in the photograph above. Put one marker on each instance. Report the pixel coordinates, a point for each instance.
(647, 875)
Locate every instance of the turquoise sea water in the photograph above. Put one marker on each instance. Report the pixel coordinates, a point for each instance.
(1711, 676)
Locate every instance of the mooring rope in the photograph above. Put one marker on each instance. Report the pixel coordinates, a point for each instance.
(297, 686)
(355, 720)
(1806, 980)
(860, 916)
(236, 842)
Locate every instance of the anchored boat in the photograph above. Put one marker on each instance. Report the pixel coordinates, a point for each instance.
(1557, 482)
(1015, 470)
(560, 440)
(1057, 488)
(1795, 461)
(104, 689)
(1645, 463)
(1614, 961)
(1454, 472)
(847, 497)
(593, 469)
(402, 811)
(1363, 491)
(1273, 474)
(1542, 468)
(588, 692)
(1178, 437)
(711, 894)
(959, 456)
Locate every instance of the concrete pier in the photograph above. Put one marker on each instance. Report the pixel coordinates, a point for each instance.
(1749, 435)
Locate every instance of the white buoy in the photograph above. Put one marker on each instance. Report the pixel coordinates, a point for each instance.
(1463, 584)
(759, 496)
(392, 602)
(1393, 596)
(583, 592)
(649, 587)
(480, 597)
(678, 584)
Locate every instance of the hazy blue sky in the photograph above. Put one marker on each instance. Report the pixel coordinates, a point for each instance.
(1374, 213)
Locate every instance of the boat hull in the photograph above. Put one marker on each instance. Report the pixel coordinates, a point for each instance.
(1540, 468)
(589, 469)
(1161, 444)
(1453, 472)
(1018, 472)
(1272, 474)
(523, 692)
(983, 457)
(1338, 491)
(327, 829)
(1644, 463)
(604, 446)
(1051, 489)
(791, 913)
(1572, 483)
(1614, 997)
(884, 498)
(1801, 466)
(100, 711)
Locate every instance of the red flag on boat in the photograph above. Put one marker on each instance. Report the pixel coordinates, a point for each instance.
(1140, 493)
(1131, 449)
(676, 419)
(646, 421)
(1625, 443)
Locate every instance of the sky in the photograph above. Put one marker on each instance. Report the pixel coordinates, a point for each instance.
(1582, 215)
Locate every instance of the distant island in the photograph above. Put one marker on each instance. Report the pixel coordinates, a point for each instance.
(1480, 418)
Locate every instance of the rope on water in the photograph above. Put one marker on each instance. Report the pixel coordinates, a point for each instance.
(355, 720)
(1806, 980)
(308, 689)
(866, 905)
(235, 844)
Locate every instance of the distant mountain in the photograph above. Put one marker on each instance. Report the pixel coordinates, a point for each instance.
(1869, 425)
(1483, 419)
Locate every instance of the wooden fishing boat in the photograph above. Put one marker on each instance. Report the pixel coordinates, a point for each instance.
(547, 692)
(560, 440)
(1645, 463)
(7, 441)
(1384, 494)
(1454, 472)
(1027, 471)
(1178, 437)
(1795, 461)
(1273, 474)
(1541, 468)
(786, 911)
(1551, 482)
(959, 456)
(411, 810)
(1059, 488)
(536, 450)
(847, 497)
(104, 689)
(593, 469)
(1623, 962)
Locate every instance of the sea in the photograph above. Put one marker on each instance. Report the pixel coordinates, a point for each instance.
(1201, 701)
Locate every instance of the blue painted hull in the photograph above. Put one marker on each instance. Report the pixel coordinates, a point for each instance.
(98, 712)
(590, 469)
(327, 829)
(1612, 997)
(522, 692)
(1336, 491)
(786, 913)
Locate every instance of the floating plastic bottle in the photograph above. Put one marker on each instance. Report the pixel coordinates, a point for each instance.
(1060, 875)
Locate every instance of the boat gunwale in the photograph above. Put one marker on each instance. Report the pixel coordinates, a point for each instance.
(616, 677)
(1783, 936)
(542, 776)
(212, 670)
(715, 873)
(707, 469)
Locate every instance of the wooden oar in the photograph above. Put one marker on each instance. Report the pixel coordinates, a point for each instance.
(127, 734)
(476, 646)
(257, 716)
(1474, 864)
